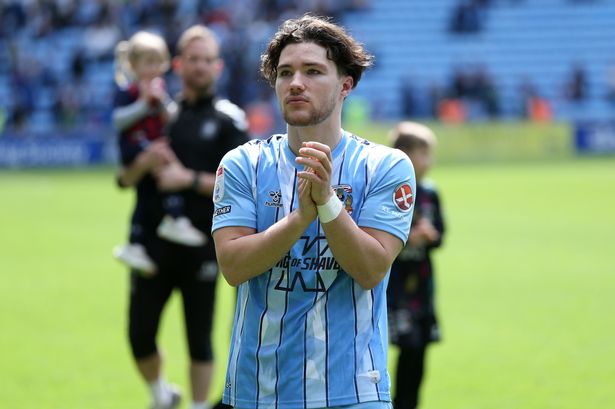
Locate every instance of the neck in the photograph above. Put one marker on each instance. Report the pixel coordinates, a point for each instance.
(328, 133)
(193, 94)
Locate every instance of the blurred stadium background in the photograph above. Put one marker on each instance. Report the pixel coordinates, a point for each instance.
(453, 61)
(520, 92)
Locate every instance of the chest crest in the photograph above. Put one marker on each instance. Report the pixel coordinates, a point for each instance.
(209, 129)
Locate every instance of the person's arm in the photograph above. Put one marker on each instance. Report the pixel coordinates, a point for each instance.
(243, 254)
(126, 116)
(438, 222)
(156, 93)
(176, 176)
(154, 156)
(241, 251)
(366, 254)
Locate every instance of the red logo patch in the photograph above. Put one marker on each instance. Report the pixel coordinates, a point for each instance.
(403, 197)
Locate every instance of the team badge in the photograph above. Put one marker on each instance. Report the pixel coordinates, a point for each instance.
(219, 185)
(208, 130)
(344, 193)
(403, 197)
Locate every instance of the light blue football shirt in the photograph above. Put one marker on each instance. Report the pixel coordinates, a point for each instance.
(305, 334)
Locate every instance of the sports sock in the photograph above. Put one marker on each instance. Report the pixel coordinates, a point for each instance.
(160, 391)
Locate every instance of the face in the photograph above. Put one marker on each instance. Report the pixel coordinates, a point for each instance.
(308, 86)
(149, 65)
(421, 159)
(199, 65)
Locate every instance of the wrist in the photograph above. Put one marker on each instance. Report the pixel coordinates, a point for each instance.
(330, 210)
(195, 183)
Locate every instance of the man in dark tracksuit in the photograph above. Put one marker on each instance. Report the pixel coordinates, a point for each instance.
(205, 129)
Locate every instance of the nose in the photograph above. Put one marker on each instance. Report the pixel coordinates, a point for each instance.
(296, 83)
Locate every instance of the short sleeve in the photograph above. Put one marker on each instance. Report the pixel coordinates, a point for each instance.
(122, 97)
(234, 203)
(390, 194)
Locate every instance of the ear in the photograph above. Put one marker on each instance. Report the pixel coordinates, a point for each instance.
(219, 67)
(176, 64)
(347, 84)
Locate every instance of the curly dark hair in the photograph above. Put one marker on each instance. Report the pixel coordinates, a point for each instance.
(348, 55)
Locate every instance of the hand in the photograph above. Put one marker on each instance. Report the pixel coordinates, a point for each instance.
(423, 233)
(153, 91)
(307, 208)
(429, 232)
(173, 177)
(316, 157)
(157, 154)
(158, 91)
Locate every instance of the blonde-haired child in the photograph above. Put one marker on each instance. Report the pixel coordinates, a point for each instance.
(142, 108)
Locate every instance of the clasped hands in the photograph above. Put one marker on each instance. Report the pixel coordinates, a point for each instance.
(315, 180)
(162, 163)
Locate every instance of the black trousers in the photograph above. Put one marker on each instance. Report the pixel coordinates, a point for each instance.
(408, 377)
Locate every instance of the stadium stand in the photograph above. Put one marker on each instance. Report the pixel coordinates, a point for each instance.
(532, 42)
(56, 56)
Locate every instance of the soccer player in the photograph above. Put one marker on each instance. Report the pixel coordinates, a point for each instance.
(413, 324)
(307, 224)
(142, 107)
(205, 129)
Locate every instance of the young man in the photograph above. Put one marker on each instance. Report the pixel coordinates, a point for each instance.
(307, 224)
(204, 130)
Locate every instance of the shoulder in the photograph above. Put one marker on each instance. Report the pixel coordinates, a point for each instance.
(234, 113)
(378, 155)
(126, 94)
(254, 151)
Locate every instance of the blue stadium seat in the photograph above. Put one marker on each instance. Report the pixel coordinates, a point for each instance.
(539, 40)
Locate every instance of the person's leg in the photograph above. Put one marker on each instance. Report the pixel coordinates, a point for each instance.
(150, 367)
(198, 298)
(134, 254)
(173, 204)
(200, 378)
(408, 378)
(147, 299)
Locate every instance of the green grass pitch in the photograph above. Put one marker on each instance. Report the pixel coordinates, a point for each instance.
(525, 291)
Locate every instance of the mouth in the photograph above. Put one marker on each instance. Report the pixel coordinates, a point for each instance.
(296, 100)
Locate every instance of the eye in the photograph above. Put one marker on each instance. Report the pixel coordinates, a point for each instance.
(284, 73)
(313, 71)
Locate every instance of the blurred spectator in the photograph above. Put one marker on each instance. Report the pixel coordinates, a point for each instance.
(533, 106)
(408, 98)
(475, 86)
(468, 16)
(575, 89)
(12, 17)
(99, 40)
(610, 81)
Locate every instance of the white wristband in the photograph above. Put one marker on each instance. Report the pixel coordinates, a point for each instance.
(330, 210)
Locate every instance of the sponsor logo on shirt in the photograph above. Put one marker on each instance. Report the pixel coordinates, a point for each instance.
(393, 213)
(403, 197)
(310, 273)
(222, 210)
(276, 199)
